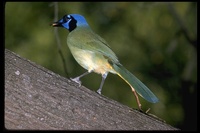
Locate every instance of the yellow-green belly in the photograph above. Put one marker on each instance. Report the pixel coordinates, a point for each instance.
(91, 61)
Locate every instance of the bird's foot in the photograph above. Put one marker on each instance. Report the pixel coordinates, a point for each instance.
(77, 80)
(99, 91)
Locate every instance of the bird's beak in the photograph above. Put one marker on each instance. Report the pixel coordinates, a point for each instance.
(56, 24)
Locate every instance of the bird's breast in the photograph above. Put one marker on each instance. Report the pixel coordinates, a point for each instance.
(91, 61)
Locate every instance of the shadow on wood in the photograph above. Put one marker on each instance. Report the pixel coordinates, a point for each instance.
(36, 98)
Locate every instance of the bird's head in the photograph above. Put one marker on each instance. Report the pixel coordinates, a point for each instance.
(71, 21)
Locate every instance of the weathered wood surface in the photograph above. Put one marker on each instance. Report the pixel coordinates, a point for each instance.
(36, 98)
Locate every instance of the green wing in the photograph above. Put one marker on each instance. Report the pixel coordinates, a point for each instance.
(86, 39)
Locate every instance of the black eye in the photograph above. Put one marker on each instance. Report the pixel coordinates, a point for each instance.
(66, 18)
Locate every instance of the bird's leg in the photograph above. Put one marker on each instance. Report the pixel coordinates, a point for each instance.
(137, 99)
(102, 82)
(77, 79)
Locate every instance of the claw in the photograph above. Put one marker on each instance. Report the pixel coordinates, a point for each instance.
(99, 91)
(77, 80)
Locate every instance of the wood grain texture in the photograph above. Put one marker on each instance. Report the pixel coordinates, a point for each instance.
(38, 99)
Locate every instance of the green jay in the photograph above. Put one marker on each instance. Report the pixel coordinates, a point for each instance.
(95, 55)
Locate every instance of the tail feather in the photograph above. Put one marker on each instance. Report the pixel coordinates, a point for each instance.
(140, 88)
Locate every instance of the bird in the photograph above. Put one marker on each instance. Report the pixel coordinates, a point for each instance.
(94, 54)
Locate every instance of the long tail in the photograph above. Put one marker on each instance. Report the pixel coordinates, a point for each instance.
(134, 82)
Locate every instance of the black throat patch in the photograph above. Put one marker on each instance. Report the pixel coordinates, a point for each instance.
(72, 24)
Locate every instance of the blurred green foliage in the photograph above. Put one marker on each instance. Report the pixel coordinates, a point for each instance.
(156, 43)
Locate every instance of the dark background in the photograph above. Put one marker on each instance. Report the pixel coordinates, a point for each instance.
(156, 41)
